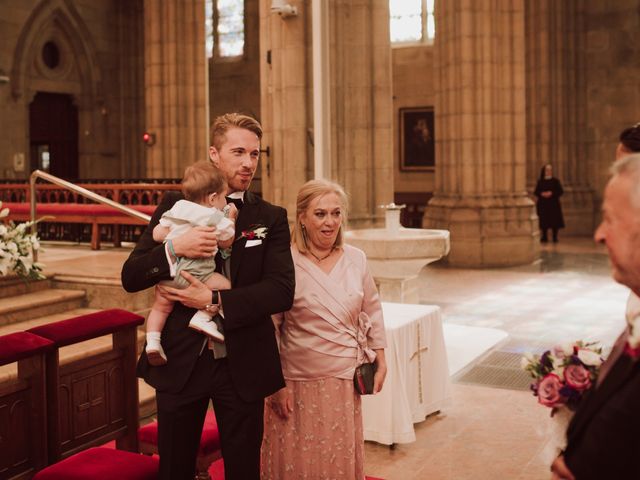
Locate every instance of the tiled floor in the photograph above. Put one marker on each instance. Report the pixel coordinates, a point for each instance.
(487, 433)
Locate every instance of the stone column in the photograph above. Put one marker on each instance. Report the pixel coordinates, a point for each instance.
(360, 103)
(361, 98)
(176, 85)
(285, 73)
(480, 193)
(556, 94)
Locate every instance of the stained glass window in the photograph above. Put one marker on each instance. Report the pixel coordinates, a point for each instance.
(224, 28)
(412, 21)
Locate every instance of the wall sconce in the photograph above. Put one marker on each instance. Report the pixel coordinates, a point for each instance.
(4, 78)
(282, 8)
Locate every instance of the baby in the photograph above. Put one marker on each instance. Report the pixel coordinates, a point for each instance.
(204, 188)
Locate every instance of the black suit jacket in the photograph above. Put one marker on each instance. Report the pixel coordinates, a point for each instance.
(263, 283)
(603, 438)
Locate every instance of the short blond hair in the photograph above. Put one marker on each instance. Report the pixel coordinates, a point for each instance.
(309, 192)
(222, 124)
(201, 179)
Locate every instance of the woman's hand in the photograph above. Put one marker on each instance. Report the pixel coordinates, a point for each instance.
(196, 295)
(282, 402)
(381, 371)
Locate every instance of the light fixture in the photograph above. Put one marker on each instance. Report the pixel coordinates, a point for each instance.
(282, 8)
(149, 139)
(4, 78)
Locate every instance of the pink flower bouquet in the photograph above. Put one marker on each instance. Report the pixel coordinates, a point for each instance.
(563, 374)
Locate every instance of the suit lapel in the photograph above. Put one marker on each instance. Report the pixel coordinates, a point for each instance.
(248, 214)
(620, 373)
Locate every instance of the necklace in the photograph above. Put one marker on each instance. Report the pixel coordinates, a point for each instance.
(319, 259)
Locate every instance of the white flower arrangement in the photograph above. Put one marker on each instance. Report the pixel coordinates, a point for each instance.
(17, 247)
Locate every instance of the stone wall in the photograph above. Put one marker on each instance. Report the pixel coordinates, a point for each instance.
(613, 76)
(100, 45)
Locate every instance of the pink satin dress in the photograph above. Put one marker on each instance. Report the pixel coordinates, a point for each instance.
(334, 325)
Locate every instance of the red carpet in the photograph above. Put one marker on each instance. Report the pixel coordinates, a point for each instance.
(217, 468)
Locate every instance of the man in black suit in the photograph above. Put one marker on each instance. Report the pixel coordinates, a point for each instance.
(603, 438)
(238, 374)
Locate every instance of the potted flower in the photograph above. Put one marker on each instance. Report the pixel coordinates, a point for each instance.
(17, 247)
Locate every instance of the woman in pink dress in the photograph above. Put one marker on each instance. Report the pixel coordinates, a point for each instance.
(313, 427)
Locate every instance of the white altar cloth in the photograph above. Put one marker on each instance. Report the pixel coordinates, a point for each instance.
(417, 382)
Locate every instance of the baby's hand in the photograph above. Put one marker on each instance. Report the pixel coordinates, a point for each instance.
(233, 212)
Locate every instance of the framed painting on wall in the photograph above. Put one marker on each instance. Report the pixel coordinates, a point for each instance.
(417, 139)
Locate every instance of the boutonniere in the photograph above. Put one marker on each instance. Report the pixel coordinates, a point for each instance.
(633, 341)
(254, 232)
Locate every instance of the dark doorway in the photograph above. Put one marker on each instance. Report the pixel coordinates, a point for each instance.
(53, 135)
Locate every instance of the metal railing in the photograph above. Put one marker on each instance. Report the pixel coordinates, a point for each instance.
(80, 191)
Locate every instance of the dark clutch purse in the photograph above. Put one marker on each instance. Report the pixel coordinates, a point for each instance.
(363, 378)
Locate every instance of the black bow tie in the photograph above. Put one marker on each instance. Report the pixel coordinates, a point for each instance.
(236, 201)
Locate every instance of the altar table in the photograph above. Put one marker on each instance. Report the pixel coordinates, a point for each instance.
(417, 382)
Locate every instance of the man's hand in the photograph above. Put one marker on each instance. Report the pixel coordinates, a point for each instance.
(547, 194)
(282, 402)
(198, 242)
(560, 471)
(196, 295)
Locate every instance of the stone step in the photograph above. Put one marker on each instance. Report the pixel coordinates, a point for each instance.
(13, 285)
(39, 304)
(78, 351)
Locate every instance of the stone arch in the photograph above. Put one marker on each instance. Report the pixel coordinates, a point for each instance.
(57, 19)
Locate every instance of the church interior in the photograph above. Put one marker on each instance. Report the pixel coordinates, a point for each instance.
(437, 114)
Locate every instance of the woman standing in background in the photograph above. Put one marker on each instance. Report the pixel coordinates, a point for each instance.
(548, 192)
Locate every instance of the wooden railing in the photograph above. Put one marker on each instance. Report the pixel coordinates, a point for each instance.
(147, 192)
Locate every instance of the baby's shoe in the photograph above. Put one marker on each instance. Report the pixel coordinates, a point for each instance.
(155, 353)
(203, 322)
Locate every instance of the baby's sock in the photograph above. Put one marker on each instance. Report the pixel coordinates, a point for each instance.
(153, 340)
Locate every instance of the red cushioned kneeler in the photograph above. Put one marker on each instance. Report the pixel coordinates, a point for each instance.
(217, 470)
(208, 452)
(102, 464)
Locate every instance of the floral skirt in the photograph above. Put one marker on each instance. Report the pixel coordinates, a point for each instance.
(321, 439)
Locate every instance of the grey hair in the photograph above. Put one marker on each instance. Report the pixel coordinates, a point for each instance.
(629, 165)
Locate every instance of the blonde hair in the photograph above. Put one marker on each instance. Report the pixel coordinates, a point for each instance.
(307, 193)
(222, 124)
(201, 179)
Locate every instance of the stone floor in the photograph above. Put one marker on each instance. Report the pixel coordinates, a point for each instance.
(487, 432)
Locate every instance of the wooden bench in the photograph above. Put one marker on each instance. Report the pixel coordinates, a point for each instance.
(23, 406)
(85, 213)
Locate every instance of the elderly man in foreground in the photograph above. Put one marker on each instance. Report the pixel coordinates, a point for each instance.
(603, 438)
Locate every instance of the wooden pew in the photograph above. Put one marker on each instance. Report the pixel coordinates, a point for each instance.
(92, 400)
(23, 406)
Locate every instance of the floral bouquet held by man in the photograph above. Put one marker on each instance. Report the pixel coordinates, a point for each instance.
(564, 374)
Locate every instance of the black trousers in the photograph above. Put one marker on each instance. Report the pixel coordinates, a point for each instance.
(181, 417)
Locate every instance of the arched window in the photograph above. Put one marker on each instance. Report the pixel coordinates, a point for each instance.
(411, 21)
(224, 28)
